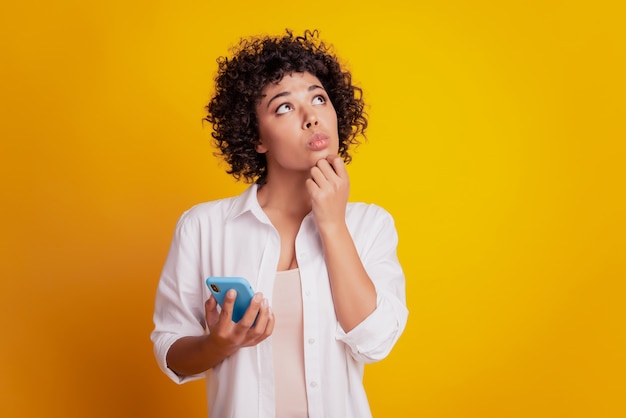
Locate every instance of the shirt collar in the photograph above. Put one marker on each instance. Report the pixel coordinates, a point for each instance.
(248, 202)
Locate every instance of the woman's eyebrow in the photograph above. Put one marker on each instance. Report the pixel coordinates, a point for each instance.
(282, 94)
(314, 87)
(287, 93)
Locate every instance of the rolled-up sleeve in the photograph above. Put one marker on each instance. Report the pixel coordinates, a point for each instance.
(376, 239)
(179, 308)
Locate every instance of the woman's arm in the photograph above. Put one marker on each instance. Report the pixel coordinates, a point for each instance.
(195, 354)
(354, 294)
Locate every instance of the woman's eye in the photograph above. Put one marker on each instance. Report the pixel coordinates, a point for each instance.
(283, 108)
(319, 100)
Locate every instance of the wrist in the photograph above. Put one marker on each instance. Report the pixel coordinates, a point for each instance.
(213, 347)
(332, 229)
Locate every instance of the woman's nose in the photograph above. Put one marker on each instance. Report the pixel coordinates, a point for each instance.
(310, 121)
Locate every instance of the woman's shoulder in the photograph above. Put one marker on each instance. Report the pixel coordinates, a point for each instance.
(365, 207)
(367, 211)
(221, 208)
(210, 206)
(210, 211)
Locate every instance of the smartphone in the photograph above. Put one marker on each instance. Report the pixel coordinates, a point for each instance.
(220, 285)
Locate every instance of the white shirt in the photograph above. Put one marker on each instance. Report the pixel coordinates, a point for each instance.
(234, 237)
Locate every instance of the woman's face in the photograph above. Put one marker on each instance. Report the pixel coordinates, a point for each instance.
(297, 124)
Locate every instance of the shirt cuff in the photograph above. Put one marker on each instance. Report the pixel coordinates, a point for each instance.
(374, 337)
(161, 347)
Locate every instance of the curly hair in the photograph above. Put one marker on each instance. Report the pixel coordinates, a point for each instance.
(239, 83)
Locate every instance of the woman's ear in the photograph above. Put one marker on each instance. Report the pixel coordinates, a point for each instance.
(260, 148)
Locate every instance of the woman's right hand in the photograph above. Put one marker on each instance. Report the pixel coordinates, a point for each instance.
(194, 354)
(227, 336)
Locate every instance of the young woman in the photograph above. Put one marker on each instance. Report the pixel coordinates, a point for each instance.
(331, 292)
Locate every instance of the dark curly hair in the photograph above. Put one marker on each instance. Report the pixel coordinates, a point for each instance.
(239, 83)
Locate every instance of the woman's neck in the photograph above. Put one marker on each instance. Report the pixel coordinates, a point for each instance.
(288, 195)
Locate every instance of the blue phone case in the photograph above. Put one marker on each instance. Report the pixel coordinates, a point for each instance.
(220, 285)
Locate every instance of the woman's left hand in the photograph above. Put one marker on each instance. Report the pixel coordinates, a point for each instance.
(329, 188)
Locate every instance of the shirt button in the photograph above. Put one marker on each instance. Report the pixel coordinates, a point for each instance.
(307, 292)
(311, 340)
(313, 384)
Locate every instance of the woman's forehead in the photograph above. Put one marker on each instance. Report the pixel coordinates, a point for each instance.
(291, 79)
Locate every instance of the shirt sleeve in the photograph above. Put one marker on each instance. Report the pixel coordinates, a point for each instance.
(179, 304)
(377, 240)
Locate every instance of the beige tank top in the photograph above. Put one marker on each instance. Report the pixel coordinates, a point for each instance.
(288, 346)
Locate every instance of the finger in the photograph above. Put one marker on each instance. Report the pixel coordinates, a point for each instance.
(210, 311)
(325, 166)
(338, 165)
(247, 320)
(269, 329)
(262, 317)
(228, 305)
(311, 186)
(263, 327)
(318, 176)
(210, 304)
(331, 168)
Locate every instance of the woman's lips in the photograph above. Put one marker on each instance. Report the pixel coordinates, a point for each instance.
(318, 142)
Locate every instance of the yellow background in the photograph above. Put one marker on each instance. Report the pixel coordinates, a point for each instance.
(496, 140)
